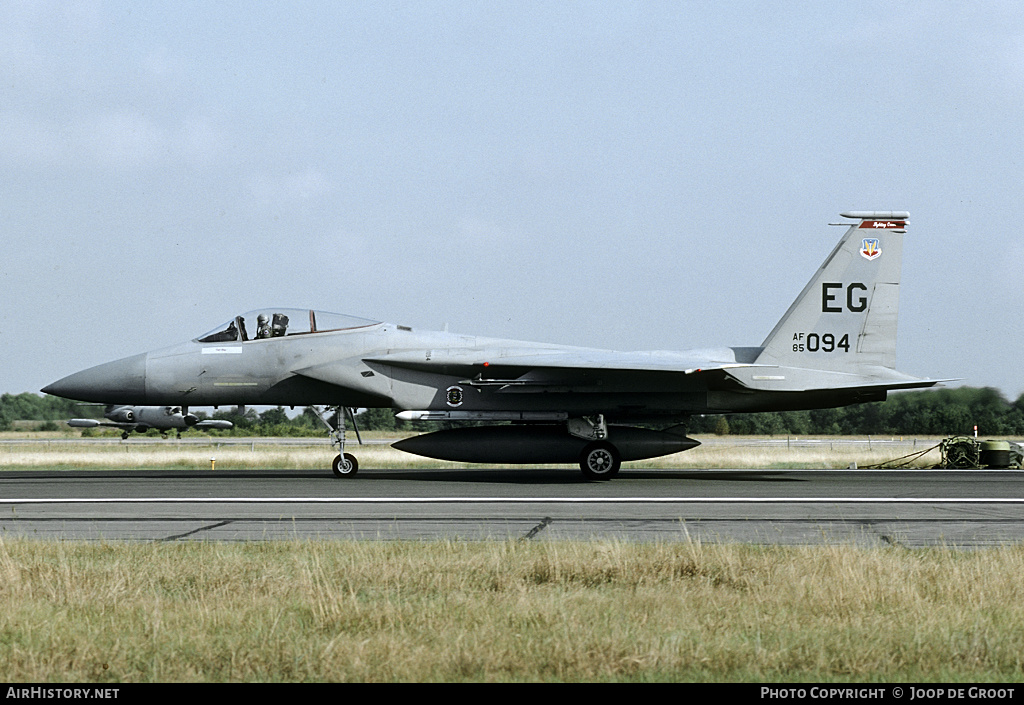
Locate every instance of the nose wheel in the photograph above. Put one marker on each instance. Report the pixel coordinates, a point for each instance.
(345, 465)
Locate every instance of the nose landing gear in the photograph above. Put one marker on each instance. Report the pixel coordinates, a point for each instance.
(345, 464)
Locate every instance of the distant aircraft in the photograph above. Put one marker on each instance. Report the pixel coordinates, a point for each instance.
(835, 346)
(143, 418)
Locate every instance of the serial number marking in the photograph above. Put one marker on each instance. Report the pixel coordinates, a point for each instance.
(814, 342)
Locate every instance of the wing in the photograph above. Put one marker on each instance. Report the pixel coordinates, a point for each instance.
(93, 423)
(531, 370)
(538, 370)
(719, 369)
(214, 423)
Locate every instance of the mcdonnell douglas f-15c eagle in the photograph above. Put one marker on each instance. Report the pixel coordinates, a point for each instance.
(143, 418)
(835, 346)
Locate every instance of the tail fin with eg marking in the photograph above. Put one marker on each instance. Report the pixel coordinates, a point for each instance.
(841, 329)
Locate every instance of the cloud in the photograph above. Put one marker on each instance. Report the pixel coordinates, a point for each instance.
(80, 99)
(117, 140)
(291, 188)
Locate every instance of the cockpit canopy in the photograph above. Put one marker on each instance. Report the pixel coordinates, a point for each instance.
(279, 322)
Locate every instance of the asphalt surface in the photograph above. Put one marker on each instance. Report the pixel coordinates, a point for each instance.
(957, 508)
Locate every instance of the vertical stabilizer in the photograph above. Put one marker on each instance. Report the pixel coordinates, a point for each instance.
(845, 318)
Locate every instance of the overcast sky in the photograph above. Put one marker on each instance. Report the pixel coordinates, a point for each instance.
(649, 175)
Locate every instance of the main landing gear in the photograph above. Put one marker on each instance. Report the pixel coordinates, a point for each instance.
(345, 464)
(599, 460)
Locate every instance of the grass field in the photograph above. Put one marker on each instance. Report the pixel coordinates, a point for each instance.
(442, 612)
(59, 449)
(104, 612)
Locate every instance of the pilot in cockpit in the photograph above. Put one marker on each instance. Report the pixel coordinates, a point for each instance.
(262, 326)
(280, 325)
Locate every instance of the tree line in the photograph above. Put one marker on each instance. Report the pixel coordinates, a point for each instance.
(939, 412)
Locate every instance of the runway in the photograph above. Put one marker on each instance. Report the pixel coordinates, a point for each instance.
(918, 508)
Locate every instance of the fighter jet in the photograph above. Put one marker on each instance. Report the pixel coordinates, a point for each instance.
(143, 418)
(543, 403)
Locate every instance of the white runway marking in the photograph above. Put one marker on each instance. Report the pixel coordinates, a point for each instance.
(513, 500)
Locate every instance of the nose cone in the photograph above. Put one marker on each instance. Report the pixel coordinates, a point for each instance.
(118, 382)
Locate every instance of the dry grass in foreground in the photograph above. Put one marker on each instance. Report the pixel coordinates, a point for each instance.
(716, 453)
(409, 611)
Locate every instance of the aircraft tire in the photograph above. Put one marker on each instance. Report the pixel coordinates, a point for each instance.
(345, 467)
(600, 461)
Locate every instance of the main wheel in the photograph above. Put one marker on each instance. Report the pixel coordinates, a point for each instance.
(599, 461)
(346, 466)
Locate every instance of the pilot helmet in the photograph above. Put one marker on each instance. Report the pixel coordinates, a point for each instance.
(262, 318)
